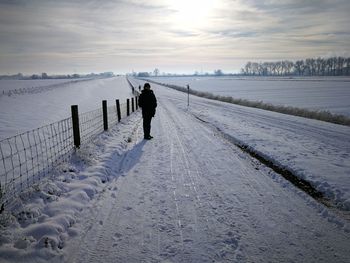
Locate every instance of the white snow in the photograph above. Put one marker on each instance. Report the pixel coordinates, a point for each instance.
(11, 87)
(189, 195)
(327, 93)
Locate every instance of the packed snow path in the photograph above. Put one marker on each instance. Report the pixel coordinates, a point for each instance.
(189, 195)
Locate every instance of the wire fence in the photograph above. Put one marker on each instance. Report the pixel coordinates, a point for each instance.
(91, 123)
(39, 89)
(28, 157)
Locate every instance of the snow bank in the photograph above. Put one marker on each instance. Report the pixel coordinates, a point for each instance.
(43, 218)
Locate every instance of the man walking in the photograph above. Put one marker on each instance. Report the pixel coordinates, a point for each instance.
(148, 103)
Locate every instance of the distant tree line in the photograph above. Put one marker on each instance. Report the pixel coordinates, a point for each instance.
(334, 66)
(156, 73)
(44, 75)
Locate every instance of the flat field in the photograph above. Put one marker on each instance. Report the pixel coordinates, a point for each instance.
(322, 93)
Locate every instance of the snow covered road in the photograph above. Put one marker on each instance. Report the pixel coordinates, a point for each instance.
(189, 195)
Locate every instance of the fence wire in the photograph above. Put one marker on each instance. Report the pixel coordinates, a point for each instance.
(28, 157)
(91, 124)
(112, 115)
(123, 111)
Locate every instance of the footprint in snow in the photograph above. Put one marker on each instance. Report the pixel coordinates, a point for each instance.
(118, 235)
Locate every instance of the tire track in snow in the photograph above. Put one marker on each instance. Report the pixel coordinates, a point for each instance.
(238, 203)
(179, 187)
(191, 164)
(168, 249)
(174, 188)
(229, 255)
(203, 226)
(210, 164)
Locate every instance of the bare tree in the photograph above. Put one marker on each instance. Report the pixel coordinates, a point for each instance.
(299, 67)
(218, 72)
(156, 72)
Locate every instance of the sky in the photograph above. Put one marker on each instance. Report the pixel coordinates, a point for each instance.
(178, 36)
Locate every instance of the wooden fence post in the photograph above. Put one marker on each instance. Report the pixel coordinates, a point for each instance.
(132, 105)
(75, 125)
(118, 110)
(188, 95)
(127, 107)
(105, 115)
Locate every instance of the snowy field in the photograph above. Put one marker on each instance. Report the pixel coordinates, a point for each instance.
(328, 93)
(52, 99)
(9, 87)
(189, 194)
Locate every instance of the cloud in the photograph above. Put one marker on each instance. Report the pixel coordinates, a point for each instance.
(91, 35)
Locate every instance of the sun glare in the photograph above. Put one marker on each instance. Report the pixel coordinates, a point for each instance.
(192, 13)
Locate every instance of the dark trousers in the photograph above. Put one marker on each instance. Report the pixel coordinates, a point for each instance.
(147, 125)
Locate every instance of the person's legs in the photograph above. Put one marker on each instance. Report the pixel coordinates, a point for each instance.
(147, 126)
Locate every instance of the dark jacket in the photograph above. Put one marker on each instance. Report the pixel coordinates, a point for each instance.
(148, 103)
